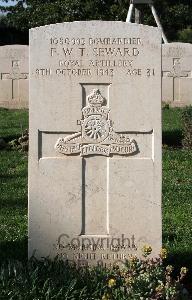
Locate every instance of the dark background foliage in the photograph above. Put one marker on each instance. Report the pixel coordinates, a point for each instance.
(175, 15)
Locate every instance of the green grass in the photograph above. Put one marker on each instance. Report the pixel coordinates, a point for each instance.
(177, 205)
(177, 190)
(172, 127)
(172, 119)
(12, 122)
(13, 188)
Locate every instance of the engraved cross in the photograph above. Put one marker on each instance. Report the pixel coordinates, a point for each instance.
(177, 73)
(14, 76)
(96, 140)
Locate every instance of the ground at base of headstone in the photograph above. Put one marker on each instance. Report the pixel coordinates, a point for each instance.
(139, 279)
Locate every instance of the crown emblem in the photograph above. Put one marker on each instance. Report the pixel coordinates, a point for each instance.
(95, 105)
(95, 98)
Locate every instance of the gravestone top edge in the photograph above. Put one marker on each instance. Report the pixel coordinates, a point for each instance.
(14, 46)
(177, 44)
(97, 22)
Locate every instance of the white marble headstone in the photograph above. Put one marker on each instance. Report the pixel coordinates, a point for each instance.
(177, 74)
(14, 74)
(95, 141)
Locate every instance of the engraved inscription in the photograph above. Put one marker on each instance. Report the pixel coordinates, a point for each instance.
(109, 248)
(101, 57)
(175, 51)
(97, 136)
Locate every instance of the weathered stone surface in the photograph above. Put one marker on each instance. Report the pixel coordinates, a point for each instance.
(95, 141)
(14, 69)
(177, 74)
